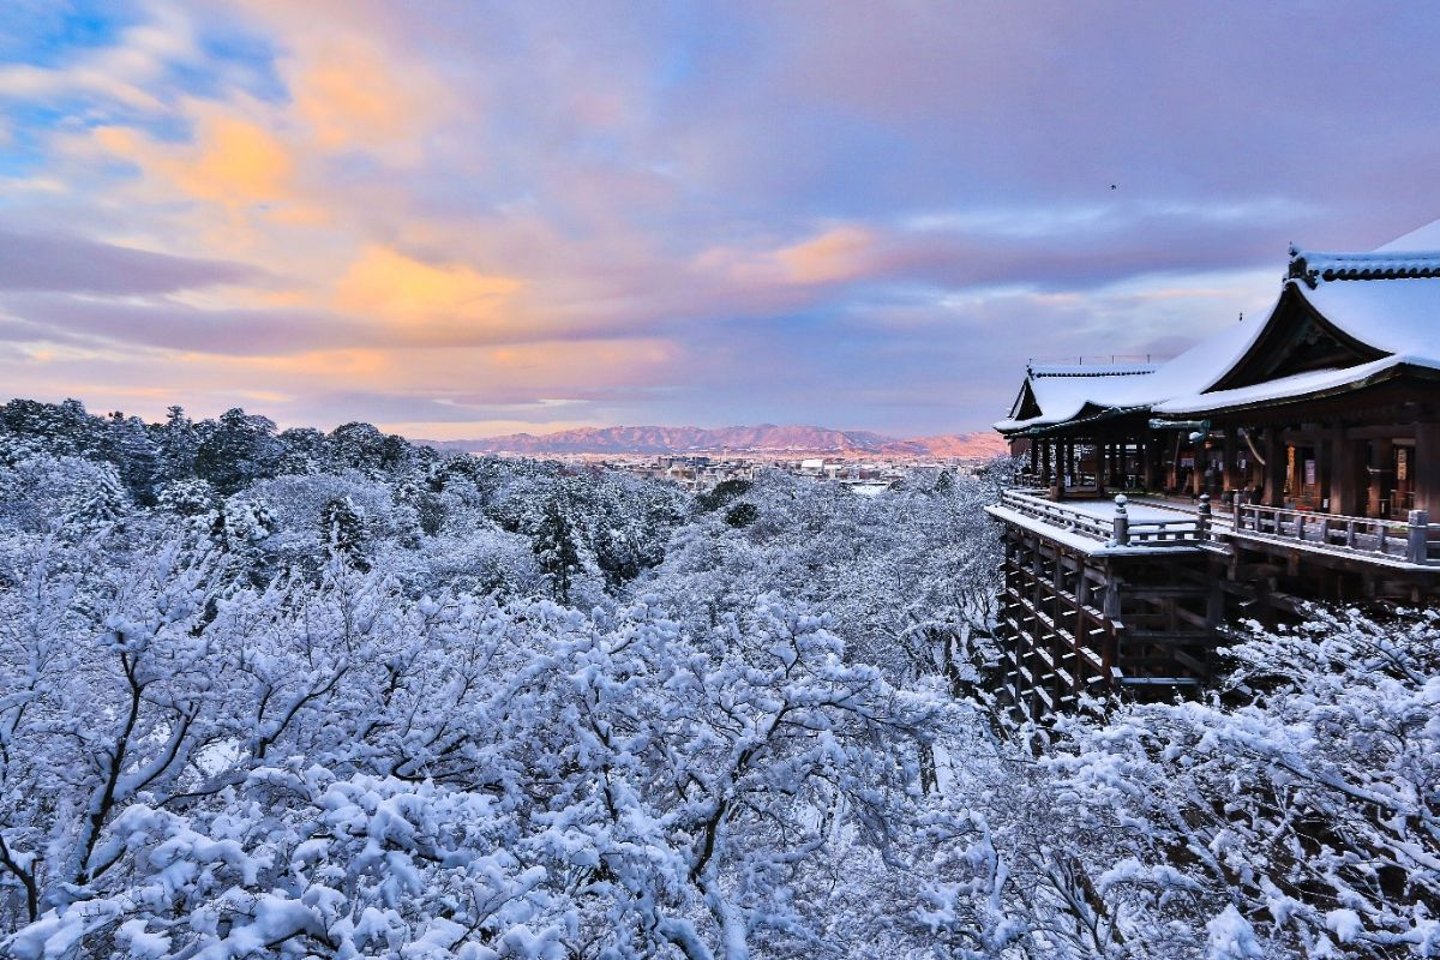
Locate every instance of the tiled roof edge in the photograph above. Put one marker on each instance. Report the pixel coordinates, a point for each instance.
(1314, 267)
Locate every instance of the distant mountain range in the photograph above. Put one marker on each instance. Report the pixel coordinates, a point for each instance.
(765, 439)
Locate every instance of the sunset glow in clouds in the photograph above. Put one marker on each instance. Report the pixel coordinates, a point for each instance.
(460, 219)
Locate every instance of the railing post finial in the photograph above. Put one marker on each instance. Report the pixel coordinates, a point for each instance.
(1121, 523)
(1416, 548)
(1202, 525)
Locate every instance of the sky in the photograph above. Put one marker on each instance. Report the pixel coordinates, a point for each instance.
(459, 218)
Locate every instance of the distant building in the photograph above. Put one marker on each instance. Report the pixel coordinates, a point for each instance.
(1291, 457)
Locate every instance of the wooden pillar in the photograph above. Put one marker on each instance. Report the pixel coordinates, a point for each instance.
(1275, 467)
(1381, 476)
(1062, 469)
(1047, 459)
(1255, 476)
(1345, 469)
(1034, 459)
(1202, 462)
(1325, 471)
(1231, 478)
(1147, 448)
(1295, 457)
(1102, 466)
(1426, 468)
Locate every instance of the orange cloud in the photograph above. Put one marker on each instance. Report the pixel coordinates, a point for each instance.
(238, 163)
(842, 253)
(234, 161)
(350, 95)
(402, 290)
(837, 255)
(353, 86)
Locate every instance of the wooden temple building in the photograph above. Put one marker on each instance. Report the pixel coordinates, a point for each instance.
(1291, 458)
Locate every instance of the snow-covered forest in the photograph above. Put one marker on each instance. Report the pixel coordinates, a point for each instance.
(287, 693)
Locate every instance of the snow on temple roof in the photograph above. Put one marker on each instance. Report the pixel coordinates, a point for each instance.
(1398, 315)
(1061, 391)
(1201, 367)
(1293, 387)
(1424, 238)
(1314, 268)
(1416, 255)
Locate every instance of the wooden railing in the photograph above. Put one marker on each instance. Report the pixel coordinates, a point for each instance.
(1117, 530)
(1055, 514)
(1417, 541)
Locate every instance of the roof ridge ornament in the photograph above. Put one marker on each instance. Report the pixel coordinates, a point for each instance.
(1312, 267)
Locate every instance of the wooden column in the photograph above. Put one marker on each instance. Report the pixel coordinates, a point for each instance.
(1102, 466)
(1325, 471)
(1275, 467)
(1381, 476)
(1172, 472)
(1062, 469)
(1034, 458)
(1232, 461)
(1345, 469)
(1426, 468)
(1255, 476)
(1148, 449)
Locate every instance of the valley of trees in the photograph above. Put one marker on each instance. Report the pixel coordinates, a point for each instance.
(289, 693)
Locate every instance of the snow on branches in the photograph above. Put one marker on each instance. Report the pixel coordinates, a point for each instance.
(295, 694)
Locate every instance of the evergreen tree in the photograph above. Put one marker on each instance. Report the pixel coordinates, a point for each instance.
(178, 443)
(742, 515)
(189, 497)
(303, 451)
(342, 532)
(137, 457)
(556, 550)
(240, 449)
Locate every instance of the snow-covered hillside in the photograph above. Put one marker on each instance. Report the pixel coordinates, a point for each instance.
(285, 694)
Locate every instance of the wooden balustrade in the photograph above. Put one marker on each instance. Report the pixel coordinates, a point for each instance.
(1119, 530)
(1057, 515)
(1417, 541)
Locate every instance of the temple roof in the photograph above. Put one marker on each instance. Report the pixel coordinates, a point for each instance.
(1402, 316)
(1325, 332)
(1297, 387)
(1055, 393)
